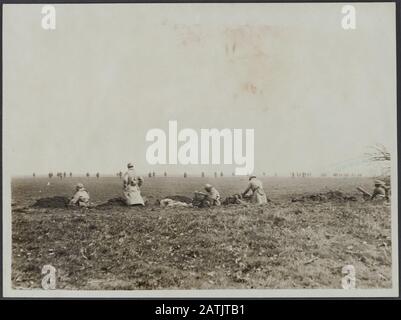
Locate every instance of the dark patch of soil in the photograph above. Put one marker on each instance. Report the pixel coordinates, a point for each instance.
(52, 202)
(327, 196)
(112, 202)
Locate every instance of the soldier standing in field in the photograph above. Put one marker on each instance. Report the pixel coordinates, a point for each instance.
(258, 195)
(129, 174)
(97, 175)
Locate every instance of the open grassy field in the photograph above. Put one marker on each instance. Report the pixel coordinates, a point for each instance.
(283, 244)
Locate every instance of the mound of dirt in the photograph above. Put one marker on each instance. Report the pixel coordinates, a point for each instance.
(53, 202)
(112, 202)
(327, 196)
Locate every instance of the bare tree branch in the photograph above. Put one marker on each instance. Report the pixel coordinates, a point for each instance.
(379, 153)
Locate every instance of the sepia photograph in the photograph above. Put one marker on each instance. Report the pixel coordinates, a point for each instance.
(200, 150)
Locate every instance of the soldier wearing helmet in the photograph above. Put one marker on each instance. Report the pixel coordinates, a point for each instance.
(81, 196)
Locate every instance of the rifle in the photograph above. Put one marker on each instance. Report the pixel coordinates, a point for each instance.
(364, 192)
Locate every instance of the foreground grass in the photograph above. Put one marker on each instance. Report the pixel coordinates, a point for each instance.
(283, 245)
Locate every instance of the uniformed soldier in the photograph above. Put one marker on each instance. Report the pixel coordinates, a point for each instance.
(208, 199)
(131, 187)
(256, 187)
(213, 196)
(380, 191)
(81, 196)
(129, 174)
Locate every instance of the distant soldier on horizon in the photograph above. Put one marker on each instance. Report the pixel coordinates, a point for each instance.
(202, 174)
(87, 175)
(33, 175)
(65, 174)
(50, 175)
(70, 174)
(97, 175)
(221, 174)
(165, 173)
(154, 174)
(185, 174)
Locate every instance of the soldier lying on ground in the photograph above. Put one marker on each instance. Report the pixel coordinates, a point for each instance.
(234, 199)
(167, 202)
(175, 201)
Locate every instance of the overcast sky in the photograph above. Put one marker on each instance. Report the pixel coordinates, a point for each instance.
(82, 97)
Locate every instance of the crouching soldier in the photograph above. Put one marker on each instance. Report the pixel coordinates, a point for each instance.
(212, 195)
(81, 197)
(380, 192)
(258, 195)
(132, 192)
(208, 199)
